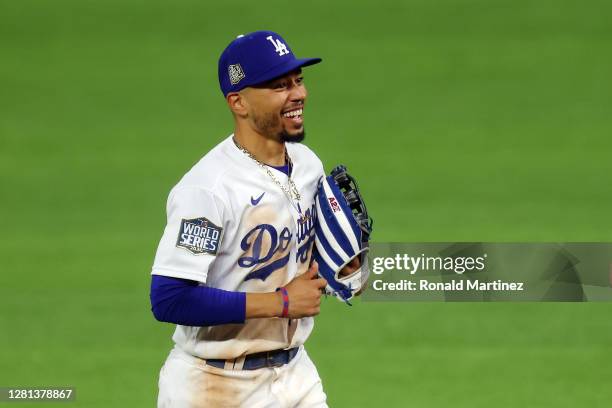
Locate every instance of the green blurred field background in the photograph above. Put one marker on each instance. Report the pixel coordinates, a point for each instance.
(463, 120)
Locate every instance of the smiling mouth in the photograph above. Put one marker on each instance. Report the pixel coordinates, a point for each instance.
(294, 116)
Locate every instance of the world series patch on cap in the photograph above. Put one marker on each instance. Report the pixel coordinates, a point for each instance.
(255, 58)
(199, 236)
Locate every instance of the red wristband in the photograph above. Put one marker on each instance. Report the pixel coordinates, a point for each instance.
(285, 295)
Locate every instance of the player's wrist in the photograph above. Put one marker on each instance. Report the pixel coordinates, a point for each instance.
(264, 305)
(284, 301)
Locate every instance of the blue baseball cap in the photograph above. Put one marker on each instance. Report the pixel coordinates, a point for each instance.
(255, 58)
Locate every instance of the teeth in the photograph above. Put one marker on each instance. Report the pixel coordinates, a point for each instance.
(293, 113)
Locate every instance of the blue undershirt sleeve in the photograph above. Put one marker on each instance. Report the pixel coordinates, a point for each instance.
(184, 302)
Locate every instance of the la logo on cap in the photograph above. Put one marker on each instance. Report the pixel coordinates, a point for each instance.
(279, 46)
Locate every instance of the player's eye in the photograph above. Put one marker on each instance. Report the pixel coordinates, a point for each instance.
(280, 84)
(287, 83)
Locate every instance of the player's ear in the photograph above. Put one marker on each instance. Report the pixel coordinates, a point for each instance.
(237, 103)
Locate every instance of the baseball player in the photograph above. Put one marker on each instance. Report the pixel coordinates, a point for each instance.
(233, 268)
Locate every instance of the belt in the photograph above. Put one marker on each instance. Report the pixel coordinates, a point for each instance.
(274, 358)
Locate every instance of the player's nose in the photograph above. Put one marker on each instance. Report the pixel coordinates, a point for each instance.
(298, 92)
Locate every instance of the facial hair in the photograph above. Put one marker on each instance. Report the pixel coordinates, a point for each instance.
(298, 138)
(268, 125)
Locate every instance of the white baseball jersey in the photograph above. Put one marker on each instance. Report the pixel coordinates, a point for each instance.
(229, 226)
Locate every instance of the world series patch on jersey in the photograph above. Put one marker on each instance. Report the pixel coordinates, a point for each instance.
(199, 236)
(230, 227)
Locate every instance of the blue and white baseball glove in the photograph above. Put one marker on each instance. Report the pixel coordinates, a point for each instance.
(342, 233)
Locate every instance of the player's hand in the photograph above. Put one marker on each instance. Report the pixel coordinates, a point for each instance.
(304, 293)
(350, 267)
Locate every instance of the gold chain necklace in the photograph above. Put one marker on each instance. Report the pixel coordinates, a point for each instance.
(292, 193)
